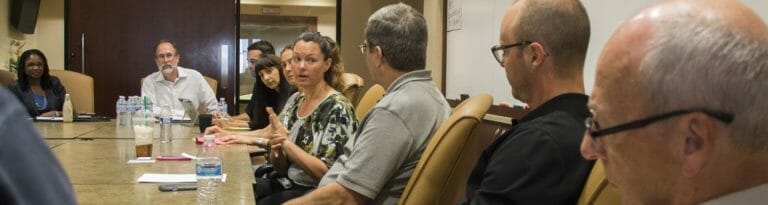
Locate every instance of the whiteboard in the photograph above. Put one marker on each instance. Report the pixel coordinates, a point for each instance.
(471, 69)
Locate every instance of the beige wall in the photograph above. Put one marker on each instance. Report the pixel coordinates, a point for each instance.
(355, 15)
(433, 13)
(50, 32)
(48, 36)
(326, 16)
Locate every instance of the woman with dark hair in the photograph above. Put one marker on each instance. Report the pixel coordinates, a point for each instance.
(41, 93)
(311, 130)
(270, 90)
(285, 60)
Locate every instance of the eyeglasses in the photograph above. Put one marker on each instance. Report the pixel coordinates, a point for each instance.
(594, 128)
(163, 56)
(32, 65)
(363, 47)
(498, 50)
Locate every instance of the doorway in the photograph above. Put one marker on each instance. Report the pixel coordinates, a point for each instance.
(278, 22)
(278, 30)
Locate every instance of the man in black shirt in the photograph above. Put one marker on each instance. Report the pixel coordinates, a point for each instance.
(542, 48)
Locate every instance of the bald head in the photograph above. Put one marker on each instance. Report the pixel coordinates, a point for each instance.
(734, 13)
(694, 54)
(562, 26)
(684, 55)
(730, 12)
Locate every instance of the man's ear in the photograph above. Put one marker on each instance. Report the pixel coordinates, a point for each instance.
(537, 54)
(698, 143)
(378, 56)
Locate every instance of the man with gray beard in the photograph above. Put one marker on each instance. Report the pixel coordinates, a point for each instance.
(172, 82)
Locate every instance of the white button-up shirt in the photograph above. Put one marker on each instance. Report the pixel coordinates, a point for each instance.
(189, 85)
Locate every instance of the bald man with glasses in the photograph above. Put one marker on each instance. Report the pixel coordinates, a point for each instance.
(678, 112)
(543, 45)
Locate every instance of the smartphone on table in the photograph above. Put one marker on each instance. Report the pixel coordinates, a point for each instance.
(178, 187)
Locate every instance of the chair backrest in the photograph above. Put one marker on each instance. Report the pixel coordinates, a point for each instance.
(371, 97)
(6, 77)
(596, 190)
(449, 156)
(211, 82)
(353, 83)
(80, 89)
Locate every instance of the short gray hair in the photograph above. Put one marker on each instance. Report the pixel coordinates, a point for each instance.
(401, 32)
(705, 63)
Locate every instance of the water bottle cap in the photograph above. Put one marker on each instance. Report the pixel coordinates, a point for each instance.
(208, 137)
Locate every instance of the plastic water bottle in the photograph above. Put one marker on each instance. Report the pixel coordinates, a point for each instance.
(67, 109)
(223, 108)
(120, 111)
(130, 112)
(166, 123)
(209, 172)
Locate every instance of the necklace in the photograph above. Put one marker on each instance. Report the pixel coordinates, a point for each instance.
(40, 102)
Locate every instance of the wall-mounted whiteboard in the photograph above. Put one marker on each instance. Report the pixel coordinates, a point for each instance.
(471, 69)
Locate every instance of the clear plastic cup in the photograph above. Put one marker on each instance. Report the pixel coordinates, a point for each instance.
(143, 138)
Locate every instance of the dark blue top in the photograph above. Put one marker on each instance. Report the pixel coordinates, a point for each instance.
(40, 102)
(54, 97)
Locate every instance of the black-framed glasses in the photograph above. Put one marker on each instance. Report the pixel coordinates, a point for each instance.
(498, 50)
(594, 128)
(362, 47)
(30, 65)
(163, 56)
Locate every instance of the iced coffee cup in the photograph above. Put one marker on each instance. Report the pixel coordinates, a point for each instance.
(143, 137)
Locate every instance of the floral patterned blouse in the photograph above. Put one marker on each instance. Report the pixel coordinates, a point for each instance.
(322, 133)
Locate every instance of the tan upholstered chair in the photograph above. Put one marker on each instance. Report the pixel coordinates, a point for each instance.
(211, 82)
(6, 77)
(597, 191)
(353, 83)
(371, 97)
(80, 89)
(449, 157)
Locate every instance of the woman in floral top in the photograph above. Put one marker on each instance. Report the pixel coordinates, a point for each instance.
(310, 132)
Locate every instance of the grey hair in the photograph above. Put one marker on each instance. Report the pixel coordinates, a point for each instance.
(562, 27)
(705, 63)
(401, 32)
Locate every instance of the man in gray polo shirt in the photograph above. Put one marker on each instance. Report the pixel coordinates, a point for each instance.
(377, 163)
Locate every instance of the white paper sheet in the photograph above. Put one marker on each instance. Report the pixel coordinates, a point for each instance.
(49, 118)
(171, 178)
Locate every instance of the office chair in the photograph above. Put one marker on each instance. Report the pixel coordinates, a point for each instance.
(80, 89)
(449, 156)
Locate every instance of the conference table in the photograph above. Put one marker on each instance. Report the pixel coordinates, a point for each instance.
(95, 157)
